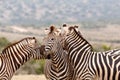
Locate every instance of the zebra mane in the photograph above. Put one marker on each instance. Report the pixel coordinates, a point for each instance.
(76, 26)
(79, 34)
(73, 28)
(54, 30)
(12, 44)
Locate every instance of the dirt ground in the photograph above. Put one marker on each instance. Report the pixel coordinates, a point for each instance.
(29, 77)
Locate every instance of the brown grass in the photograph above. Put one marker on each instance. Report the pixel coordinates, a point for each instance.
(29, 77)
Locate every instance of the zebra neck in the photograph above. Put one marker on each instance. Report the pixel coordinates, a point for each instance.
(58, 59)
(17, 58)
(38, 54)
(77, 47)
(75, 42)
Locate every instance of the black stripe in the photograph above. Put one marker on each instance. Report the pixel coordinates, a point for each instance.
(10, 58)
(101, 64)
(96, 64)
(91, 65)
(114, 73)
(108, 68)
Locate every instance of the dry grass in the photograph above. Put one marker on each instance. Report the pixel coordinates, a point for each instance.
(29, 77)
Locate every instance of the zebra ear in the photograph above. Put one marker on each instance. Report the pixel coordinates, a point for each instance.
(59, 31)
(46, 31)
(52, 29)
(65, 29)
(71, 29)
(55, 30)
(76, 28)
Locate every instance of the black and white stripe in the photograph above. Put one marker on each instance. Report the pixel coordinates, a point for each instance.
(15, 55)
(57, 67)
(90, 65)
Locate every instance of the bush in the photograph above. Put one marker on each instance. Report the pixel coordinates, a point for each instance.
(40, 69)
(32, 67)
(105, 47)
(102, 48)
(3, 42)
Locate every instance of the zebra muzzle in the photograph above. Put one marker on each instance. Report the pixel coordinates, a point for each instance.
(48, 56)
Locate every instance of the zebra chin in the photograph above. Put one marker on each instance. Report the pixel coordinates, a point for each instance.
(48, 54)
(45, 53)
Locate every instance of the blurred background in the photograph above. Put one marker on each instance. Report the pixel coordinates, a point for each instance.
(98, 21)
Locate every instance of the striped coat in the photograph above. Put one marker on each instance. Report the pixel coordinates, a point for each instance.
(90, 65)
(15, 55)
(57, 67)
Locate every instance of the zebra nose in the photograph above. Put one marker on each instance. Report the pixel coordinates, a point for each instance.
(42, 49)
(48, 56)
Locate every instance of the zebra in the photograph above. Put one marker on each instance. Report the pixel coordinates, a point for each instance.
(15, 55)
(87, 64)
(57, 66)
(90, 65)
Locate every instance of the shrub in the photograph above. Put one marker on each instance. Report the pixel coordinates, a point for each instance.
(102, 47)
(3, 42)
(106, 47)
(40, 69)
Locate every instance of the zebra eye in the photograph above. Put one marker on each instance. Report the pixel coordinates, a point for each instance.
(52, 39)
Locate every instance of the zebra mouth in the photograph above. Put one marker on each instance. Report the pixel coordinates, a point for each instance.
(48, 56)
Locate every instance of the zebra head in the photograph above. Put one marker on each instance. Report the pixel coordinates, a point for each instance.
(37, 49)
(67, 30)
(32, 44)
(50, 42)
(25, 46)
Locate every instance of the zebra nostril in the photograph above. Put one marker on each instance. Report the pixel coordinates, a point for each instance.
(48, 56)
(33, 37)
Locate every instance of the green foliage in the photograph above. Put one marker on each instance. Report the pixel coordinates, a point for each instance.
(40, 69)
(105, 47)
(3, 42)
(32, 67)
(102, 48)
